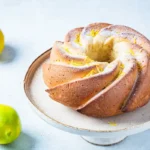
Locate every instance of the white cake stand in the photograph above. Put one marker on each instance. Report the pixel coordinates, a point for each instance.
(104, 131)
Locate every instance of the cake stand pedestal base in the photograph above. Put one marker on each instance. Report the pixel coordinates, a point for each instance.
(103, 141)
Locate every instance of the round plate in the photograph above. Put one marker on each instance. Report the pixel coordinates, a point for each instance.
(72, 121)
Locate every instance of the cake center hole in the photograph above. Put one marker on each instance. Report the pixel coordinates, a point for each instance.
(102, 52)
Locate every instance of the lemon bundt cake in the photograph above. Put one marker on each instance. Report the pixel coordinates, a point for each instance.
(100, 70)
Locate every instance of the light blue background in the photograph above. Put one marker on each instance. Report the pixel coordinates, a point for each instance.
(31, 27)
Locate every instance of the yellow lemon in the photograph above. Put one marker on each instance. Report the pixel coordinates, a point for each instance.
(10, 125)
(1, 41)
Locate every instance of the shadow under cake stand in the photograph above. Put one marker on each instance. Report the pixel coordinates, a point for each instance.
(105, 131)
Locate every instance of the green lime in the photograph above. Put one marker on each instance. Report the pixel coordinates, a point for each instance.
(10, 125)
(1, 41)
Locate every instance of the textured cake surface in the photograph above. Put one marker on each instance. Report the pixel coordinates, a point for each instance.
(100, 70)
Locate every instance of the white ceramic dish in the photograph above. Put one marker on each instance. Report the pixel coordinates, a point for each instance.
(104, 131)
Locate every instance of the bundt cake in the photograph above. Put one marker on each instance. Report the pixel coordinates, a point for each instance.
(100, 70)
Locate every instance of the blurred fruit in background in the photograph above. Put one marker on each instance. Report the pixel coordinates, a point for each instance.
(10, 125)
(1, 41)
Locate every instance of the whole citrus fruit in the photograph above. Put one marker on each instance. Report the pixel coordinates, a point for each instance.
(10, 126)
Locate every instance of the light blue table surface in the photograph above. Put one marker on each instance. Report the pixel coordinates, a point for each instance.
(31, 27)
